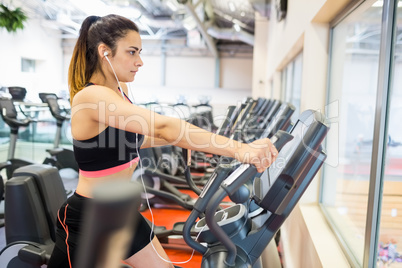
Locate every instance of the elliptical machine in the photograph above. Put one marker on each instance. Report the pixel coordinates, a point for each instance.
(61, 158)
(237, 236)
(9, 115)
(34, 195)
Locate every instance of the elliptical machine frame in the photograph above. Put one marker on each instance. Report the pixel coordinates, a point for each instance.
(60, 157)
(237, 236)
(9, 115)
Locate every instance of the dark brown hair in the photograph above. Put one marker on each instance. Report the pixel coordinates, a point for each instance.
(85, 59)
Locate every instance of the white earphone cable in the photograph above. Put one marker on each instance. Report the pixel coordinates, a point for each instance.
(117, 79)
(143, 185)
(130, 93)
(153, 222)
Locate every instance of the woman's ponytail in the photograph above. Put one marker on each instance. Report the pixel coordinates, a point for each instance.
(77, 71)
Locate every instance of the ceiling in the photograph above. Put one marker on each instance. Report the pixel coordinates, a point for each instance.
(212, 26)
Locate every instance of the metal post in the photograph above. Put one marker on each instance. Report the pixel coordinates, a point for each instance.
(208, 39)
(217, 72)
(379, 137)
(56, 142)
(163, 63)
(13, 142)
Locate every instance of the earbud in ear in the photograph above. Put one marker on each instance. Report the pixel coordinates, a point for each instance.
(105, 53)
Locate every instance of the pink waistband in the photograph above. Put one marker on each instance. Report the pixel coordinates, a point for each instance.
(108, 171)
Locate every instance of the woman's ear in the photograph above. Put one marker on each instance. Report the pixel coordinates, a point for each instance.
(103, 51)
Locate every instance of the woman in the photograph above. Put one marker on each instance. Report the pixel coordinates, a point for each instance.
(108, 130)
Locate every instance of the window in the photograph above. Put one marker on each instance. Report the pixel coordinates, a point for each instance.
(390, 234)
(353, 77)
(27, 65)
(291, 79)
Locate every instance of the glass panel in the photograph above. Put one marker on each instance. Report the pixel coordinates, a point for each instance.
(352, 92)
(390, 238)
(291, 83)
(297, 83)
(27, 65)
(284, 84)
(37, 137)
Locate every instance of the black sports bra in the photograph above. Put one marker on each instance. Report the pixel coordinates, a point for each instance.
(109, 152)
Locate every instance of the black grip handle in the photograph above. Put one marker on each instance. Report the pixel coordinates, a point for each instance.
(280, 139)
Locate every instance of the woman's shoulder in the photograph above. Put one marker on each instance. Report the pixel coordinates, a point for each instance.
(93, 93)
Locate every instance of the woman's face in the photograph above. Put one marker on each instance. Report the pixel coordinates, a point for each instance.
(127, 60)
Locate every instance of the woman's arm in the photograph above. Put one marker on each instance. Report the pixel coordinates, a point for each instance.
(153, 142)
(105, 107)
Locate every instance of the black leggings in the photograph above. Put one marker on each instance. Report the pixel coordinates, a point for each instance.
(71, 216)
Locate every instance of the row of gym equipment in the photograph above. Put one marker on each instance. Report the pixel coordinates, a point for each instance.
(227, 234)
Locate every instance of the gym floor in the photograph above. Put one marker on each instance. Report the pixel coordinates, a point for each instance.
(179, 253)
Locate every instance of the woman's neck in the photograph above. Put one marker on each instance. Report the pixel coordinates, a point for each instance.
(100, 80)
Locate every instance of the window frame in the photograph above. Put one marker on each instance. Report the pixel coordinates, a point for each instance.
(376, 177)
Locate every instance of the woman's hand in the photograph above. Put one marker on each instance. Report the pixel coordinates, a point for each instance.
(260, 153)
